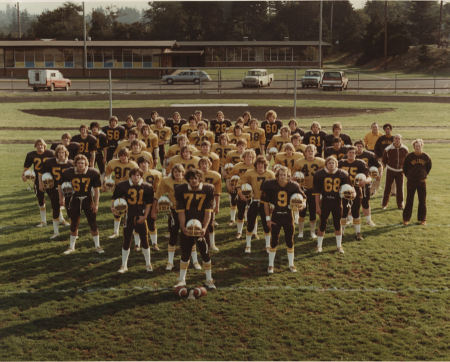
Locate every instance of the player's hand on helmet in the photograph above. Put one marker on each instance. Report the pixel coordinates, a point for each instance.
(378, 178)
(114, 211)
(361, 183)
(184, 230)
(24, 179)
(203, 232)
(242, 197)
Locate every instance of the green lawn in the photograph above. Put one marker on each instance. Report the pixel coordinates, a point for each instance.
(386, 298)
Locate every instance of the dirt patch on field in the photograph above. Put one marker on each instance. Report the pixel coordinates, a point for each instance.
(208, 112)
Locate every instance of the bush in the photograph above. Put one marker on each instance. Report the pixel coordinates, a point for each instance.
(424, 55)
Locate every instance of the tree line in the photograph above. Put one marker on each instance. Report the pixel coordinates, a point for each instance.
(347, 29)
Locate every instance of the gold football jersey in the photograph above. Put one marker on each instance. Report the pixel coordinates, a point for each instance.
(151, 141)
(187, 129)
(257, 137)
(245, 136)
(167, 186)
(212, 156)
(256, 180)
(233, 157)
(278, 142)
(187, 164)
(239, 169)
(127, 144)
(222, 151)
(196, 139)
(163, 134)
(214, 178)
(153, 177)
(176, 150)
(120, 170)
(282, 159)
(134, 157)
(309, 168)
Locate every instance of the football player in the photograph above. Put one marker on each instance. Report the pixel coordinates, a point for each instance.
(190, 127)
(257, 136)
(197, 137)
(327, 182)
(354, 166)
(194, 201)
(308, 166)
(382, 143)
(72, 147)
(87, 143)
(151, 142)
(37, 159)
(239, 121)
(139, 197)
(219, 125)
(293, 126)
(337, 128)
(256, 178)
(164, 133)
(238, 135)
(152, 119)
(297, 143)
(115, 134)
(152, 177)
(279, 141)
(83, 179)
(315, 137)
(205, 151)
(198, 118)
(337, 150)
(101, 146)
(139, 124)
(287, 157)
(234, 156)
(168, 185)
(55, 166)
(213, 178)
(136, 152)
(221, 149)
(185, 158)
(246, 117)
(132, 135)
(121, 168)
(271, 126)
(278, 192)
(128, 125)
(248, 158)
(176, 149)
(175, 125)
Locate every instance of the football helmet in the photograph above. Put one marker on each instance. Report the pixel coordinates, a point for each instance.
(273, 151)
(121, 205)
(247, 191)
(373, 172)
(67, 189)
(164, 204)
(109, 184)
(47, 180)
(299, 177)
(276, 167)
(194, 228)
(347, 192)
(358, 178)
(234, 180)
(166, 162)
(30, 175)
(296, 202)
(228, 167)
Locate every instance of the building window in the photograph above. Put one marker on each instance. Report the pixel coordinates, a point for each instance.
(297, 54)
(39, 61)
(9, 58)
(78, 58)
(108, 58)
(259, 54)
(245, 54)
(251, 54)
(59, 58)
(219, 54)
(117, 58)
(90, 58)
(274, 54)
(2, 55)
(147, 58)
(137, 58)
(49, 58)
(19, 58)
(209, 54)
(127, 58)
(231, 54)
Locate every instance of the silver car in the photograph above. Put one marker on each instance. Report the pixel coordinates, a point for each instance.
(187, 76)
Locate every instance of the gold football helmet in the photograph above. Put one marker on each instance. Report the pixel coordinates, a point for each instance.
(299, 177)
(47, 180)
(247, 191)
(373, 172)
(194, 228)
(234, 180)
(273, 151)
(67, 189)
(228, 167)
(164, 203)
(347, 192)
(109, 184)
(296, 202)
(30, 175)
(358, 178)
(121, 205)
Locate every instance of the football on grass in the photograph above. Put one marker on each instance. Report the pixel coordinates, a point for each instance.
(180, 291)
(200, 292)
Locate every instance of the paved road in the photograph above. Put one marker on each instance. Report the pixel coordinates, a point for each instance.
(441, 86)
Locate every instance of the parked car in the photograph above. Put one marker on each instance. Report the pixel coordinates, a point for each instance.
(334, 79)
(312, 78)
(257, 78)
(47, 79)
(187, 76)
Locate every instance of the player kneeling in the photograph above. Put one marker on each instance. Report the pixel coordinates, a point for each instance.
(279, 193)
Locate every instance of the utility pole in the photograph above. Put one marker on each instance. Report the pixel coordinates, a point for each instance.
(320, 34)
(331, 27)
(18, 20)
(440, 25)
(84, 36)
(385, 35)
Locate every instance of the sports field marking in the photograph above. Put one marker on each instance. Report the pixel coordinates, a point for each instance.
(210, 105)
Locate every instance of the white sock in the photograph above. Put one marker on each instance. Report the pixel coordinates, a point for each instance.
(368, 218)
(73, 238)
(212, 241)
(171, 254)
(346, 221)
(339, 240)
(96, 240)
(350, 219)
(255, 229)
(102, 178)
(183, 273)
(137, 240)
(164, 172)
(147, 256)
(358, 229)
(291, 257)
(312, 226)
(296, 216)
(61, 217)
(248, 238)
(267, 239)
(233, 215)
(43, 214)
(319, 241)
(116, 226)
(208, 271)
(240, 226)
(272, 257)
(245, 214)
(154, 238)
(55, 227)
(229, 198)
(194, 254)
(300, 229)
(125, 254)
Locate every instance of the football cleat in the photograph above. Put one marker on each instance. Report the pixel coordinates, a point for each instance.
(300, 235)
(215, 223)
(231, 223)
(270, 270)
(210, 284)
(113, 235)
(255, 236)
(319, 249)
(137, 248)
(167, 236)
(266, 250)
(313, 235)
(180, 283)
(54, 236)
(405, 222)
(247, 249)
(169, 266)
(41, 225)
(155, 247)
(197, 266)
(69, 250)
(293, 269)
(149, 268)
(238, 236)
(371, 223)
(384, 207)
(99, 250)
(214, 248)
(64, 223)
(340, 250)
(423, 223)
(122, 269)
(359, 237)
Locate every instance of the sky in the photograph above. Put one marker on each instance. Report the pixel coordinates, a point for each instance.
(36, 7)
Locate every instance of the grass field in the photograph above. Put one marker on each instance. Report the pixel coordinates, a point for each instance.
(386, 298)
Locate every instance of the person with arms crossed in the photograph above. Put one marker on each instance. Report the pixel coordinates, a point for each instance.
(175, 125)
(128, 125)
(370, 139)
(315, 137)
(101, 146)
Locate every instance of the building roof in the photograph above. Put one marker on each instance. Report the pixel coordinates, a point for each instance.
(80, 43)
(256, 43)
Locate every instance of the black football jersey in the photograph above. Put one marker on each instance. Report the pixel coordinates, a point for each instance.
(345, 139)
(339, 154)
(369, 158)
(102, 142)
(316, 139)
(37, 160)
(137, 196)
(82, 183)
(299, 131)
(329, 184)
(127, 129)
(382, 143)
(219, 127)
(175, 128)
(87, 145)
(357, 166)
(114, 135)
(194, 203)
(271, 129)
(55, 168)
(73, 148)
(280, 196)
